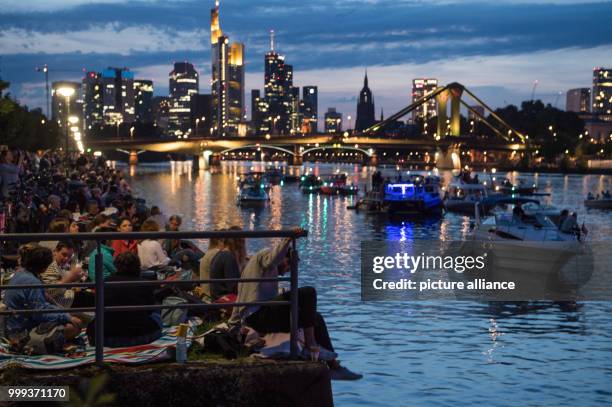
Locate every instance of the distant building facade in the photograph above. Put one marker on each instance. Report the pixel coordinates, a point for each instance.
(278, 81)
(365, 108)
(143, 100)
(578, 100)
(309, 109)
(161, 113)
(422, 87)
(201, 115)
(93, 107)
(184, 83)
(118, 96)
(333, 121)
(602, 93)
(260, 114)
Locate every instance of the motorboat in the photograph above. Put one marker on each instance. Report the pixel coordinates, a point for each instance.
(601, 203)
(310, 184)
(418, 195)
(254, 177)
(526, 246)
(252, 194)
(338, 185)
(462, 197)
(506, 187)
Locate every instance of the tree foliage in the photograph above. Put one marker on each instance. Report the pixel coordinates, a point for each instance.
(24, 128)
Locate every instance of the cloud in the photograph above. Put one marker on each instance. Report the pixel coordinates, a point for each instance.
(108, 38)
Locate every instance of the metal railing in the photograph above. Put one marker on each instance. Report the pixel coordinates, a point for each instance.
(99, 283)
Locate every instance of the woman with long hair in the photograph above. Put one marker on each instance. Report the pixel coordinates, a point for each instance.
(150, 251)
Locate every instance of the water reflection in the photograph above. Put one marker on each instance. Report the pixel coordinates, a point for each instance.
(426, 352)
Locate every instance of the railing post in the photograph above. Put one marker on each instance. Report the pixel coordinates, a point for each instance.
(99, 307)
(294, 301)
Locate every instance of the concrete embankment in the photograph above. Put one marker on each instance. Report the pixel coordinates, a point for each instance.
(224, 383)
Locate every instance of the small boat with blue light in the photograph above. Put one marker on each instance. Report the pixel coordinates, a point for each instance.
(418, 196)
(250, 194)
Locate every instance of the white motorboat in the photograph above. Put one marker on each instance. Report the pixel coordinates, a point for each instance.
(527, 247)
(462, 197)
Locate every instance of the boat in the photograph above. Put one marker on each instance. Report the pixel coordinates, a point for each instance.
(506, 187)
(254, 177)
(310, 184)
(461, 197)
(274, 175)
(602, 203)
(252, 194)
(528, 248)
(417, 196)
(338, 185)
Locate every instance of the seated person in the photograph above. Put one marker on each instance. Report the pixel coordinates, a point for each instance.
(150, 251)
(60, 272)
(181, 252)
(214, 246)
(224, 265)
(270, 263)
(36, 333)
(120, 246)
(128, 328)
(108, 267)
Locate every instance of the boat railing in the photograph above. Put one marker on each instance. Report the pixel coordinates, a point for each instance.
(99, 284)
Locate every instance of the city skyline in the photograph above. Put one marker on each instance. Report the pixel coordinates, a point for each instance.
(500, 64)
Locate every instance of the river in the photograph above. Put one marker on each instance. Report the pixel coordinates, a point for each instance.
(414, 353)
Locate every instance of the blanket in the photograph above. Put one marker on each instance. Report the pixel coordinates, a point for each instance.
(153, 352)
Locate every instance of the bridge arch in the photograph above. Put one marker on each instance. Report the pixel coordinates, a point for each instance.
(284, 150)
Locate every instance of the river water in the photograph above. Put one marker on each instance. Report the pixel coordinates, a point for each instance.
(415, 353)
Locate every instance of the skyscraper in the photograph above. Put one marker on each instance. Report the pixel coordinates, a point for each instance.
(143, 100)
(578, 100)
(161, 112)
(184, 83)
(333, 121)
(60, 109)
(117, 95)
(278, 82)
(422, 87)
(309, 108)
(260, 114)
(296, 114)
(365, 107)
(93, 109)
(227, 79)
(602, 93)
(201, 109)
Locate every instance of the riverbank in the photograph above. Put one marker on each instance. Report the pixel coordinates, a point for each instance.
(245, 382)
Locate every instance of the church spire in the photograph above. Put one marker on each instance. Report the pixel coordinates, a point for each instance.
(365, 79)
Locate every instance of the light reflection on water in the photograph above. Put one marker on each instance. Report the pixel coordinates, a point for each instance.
(421, 353)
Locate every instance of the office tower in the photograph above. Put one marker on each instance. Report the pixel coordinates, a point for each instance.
(161, 112)
(117, 96)
(62, 106)
(602, 93)
(578, 100)
(93, 109)
(422, 87)
(260, 114)
(184, 83)
(309, 109)
(278, 81)
(296, 114)
(333, 121)
(227, 79)
(201, 115)
(143, 100)
(365, 107)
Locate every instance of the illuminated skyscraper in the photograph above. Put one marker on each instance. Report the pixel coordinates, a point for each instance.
(602, 93)
(93, 109)
(309, 108)
(184, 83)
(278, 82)
(143, 100)
(260, 114)
(365, 107)
(578, 100)
(227, 79)
(423, 87)
(117, 96)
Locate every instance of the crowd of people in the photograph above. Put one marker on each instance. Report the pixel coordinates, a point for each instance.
(48, 193)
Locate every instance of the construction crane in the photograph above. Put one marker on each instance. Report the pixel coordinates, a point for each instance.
(45, 69)
(533, 89)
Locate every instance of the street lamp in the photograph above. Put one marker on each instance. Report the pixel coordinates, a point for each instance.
(67, 93)
(197, 123)
(349, 122)
(132, 132)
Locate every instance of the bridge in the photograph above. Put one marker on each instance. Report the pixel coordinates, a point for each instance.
(445, 144)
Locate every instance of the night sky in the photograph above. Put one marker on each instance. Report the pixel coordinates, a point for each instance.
(495, 48)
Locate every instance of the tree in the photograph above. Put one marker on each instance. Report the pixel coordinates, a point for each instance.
(24, 128)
